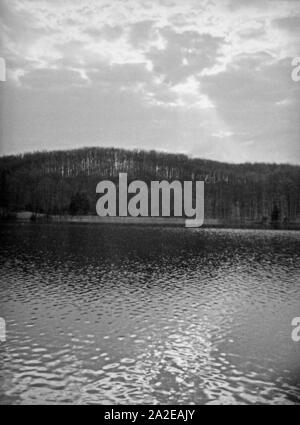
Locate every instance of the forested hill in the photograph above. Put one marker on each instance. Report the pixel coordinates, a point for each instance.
(62, 182)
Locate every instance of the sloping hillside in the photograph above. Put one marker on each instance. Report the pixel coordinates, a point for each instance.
(62, 182)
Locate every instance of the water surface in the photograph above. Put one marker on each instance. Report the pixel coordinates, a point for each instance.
(117, 314)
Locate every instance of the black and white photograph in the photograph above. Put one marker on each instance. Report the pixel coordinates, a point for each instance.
(149, 205)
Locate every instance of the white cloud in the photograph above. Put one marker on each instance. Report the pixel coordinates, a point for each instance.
(221, 134)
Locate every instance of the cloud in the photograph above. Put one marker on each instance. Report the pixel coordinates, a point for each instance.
(108, 32)
(290, 25)
(121, 74)
(186, 54)
(252, 33)
(221, 134)
(57, 79)
(140, 33)
(254, 4)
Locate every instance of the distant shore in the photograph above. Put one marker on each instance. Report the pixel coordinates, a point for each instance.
(28, 216)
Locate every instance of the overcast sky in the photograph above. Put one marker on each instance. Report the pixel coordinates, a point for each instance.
(208, 78)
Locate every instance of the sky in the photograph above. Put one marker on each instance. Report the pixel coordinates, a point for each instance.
(207, 78)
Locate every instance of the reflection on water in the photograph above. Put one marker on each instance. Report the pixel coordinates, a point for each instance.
(116, 314)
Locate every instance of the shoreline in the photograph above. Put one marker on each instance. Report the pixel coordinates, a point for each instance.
(29, 217)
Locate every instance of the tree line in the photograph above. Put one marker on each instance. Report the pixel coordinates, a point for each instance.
(64, 182)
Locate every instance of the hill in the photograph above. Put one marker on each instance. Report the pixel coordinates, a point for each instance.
(62, 182)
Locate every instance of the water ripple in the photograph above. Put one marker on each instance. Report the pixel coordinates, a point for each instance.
(103, 314)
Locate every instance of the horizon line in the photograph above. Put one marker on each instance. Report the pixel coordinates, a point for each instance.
(188, 156)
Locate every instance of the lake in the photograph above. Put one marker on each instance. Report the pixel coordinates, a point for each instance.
(117, 314)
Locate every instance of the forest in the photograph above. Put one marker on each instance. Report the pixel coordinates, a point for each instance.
(64, 182)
